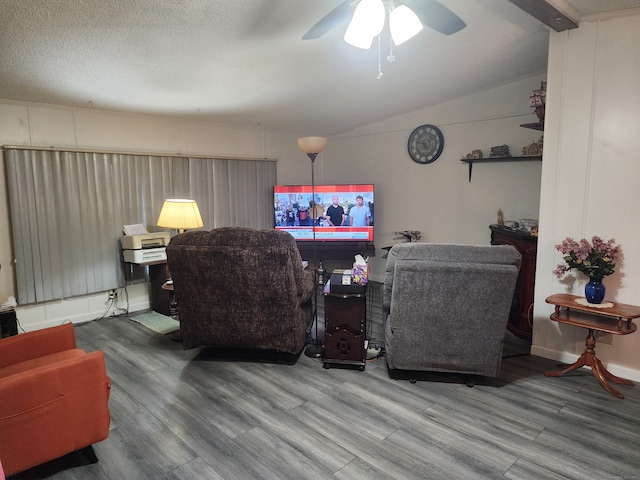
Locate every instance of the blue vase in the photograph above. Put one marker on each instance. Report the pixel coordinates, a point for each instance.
(594, 290)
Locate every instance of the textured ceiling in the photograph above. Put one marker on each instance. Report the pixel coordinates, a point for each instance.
(242, 62)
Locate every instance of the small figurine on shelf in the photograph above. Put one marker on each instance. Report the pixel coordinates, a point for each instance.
(473, 155)
(533, 149)
(500, 217)
(538, 99)
(500, 151)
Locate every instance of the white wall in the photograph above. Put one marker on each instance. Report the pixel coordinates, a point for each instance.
(39, 125)
(437, 198)
(590, 178)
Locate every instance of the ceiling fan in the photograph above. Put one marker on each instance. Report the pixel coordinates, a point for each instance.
(431, 13)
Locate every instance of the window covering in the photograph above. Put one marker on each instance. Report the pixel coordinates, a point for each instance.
(68, 207)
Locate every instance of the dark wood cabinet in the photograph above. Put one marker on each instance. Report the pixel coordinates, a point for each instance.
(158, 274)
(521, 317)
(345, 327)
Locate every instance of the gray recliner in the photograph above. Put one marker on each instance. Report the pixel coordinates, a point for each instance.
(446, 307)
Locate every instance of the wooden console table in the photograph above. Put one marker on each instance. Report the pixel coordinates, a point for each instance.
(617, 320)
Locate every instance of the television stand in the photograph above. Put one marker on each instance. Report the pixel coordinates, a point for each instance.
(342, 251)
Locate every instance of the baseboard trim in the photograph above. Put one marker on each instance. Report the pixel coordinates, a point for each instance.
(78, 319)
(566, 357)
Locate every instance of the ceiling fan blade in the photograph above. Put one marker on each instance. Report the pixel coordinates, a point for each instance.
(434, 15)
(332, 19)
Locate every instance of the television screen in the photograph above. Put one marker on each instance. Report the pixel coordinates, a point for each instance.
(342, 212)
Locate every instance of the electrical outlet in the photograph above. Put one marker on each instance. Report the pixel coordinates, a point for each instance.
(113, 294)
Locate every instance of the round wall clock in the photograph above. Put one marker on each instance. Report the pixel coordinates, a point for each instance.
(425, 144)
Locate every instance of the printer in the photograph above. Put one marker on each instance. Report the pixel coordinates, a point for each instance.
(145, 247)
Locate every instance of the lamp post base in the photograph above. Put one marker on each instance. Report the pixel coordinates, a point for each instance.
(314, 350)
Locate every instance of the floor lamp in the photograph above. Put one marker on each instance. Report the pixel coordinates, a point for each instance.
(312, 146)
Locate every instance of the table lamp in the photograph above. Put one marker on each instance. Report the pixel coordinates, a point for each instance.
(180, 214)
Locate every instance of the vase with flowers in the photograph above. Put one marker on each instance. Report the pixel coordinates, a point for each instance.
(596, 259)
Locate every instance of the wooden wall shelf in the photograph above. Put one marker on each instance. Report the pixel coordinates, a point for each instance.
(471, 161)
(501, 159)
(534, 126)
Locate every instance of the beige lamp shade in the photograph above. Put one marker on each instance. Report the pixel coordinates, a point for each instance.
(312, 144)
(180, 214)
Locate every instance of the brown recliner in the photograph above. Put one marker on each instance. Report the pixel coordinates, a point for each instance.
(54, 397)
(241, 288)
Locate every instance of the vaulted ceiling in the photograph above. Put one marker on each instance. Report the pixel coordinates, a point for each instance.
(243, 62)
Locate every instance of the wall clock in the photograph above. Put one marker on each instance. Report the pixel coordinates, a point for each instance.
(425, 144)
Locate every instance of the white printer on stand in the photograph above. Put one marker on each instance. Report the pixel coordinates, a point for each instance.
(139, 246)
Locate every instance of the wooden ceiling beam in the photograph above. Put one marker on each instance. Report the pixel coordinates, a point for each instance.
(547, 13)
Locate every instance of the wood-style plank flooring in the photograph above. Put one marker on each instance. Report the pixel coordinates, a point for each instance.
(191, 414)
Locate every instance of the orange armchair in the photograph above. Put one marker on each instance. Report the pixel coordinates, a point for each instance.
(53, 397)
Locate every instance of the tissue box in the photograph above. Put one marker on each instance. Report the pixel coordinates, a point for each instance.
(360, 273)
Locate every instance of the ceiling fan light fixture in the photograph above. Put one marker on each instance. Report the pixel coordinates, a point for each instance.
(404, 24)
(357, 37)
(367, 22)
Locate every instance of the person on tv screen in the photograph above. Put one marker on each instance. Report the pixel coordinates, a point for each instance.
(359, 215)
(335, 213)
(290, 216)
(304, 216)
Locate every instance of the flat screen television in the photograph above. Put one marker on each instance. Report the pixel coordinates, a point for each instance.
(344, 213)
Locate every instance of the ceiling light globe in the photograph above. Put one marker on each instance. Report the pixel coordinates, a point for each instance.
(367, 22)
(404, 24)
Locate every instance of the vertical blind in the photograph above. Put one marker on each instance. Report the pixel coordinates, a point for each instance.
(68, 209)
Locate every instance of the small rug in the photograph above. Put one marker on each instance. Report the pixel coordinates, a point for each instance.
(157, 322)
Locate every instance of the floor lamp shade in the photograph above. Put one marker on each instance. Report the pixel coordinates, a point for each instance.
(180, 214)
(310, 145)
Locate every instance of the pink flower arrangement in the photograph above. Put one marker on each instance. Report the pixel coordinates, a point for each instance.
(596, 259)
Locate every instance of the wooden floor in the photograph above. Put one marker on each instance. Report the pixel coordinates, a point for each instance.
(180, 414)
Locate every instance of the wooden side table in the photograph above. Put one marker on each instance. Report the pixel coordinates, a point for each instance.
(345, 328)
(616, 319)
